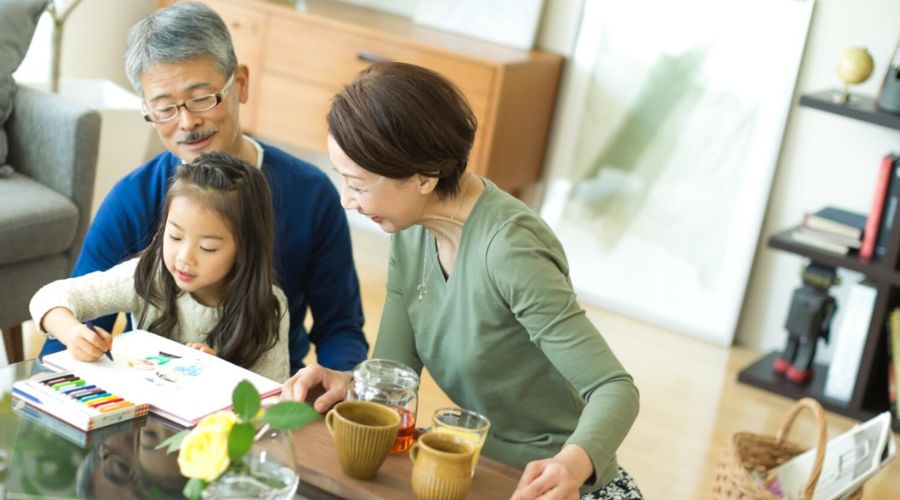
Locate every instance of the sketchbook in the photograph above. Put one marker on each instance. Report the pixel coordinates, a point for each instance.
(180, 384)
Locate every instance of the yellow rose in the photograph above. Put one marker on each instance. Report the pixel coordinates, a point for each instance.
(204, 451)
(222, 419)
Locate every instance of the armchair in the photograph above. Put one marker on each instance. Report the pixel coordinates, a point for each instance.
(45, 205)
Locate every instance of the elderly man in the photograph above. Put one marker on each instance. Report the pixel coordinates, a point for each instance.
(181, 61)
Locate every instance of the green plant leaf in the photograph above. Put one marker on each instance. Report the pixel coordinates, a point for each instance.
(173, 441)
(240, 439)
(194, 488)
(245, 399)
(290, 415)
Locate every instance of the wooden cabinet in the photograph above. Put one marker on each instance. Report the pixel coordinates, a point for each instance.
(870, 394)
(299, 59)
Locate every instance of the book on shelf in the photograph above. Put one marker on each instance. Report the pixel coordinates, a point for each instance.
(850, 460)
(837, 221)
(180, 384)
(852, 243)
(889, 208)
(823, 241)
(849, 338)
(876, 212)
(893, 341)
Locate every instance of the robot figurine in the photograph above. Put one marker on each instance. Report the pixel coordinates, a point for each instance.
(808, 319)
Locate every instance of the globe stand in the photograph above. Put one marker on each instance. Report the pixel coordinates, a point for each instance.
(844, 96)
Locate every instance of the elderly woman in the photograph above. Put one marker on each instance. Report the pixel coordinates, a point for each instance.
(478, 290)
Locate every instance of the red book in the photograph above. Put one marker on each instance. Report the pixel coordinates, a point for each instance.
(873, 221)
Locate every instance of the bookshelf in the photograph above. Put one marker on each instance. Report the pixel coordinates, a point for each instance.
(870, 393)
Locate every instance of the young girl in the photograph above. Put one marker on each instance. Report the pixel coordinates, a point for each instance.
(206, 278)
(478, 290)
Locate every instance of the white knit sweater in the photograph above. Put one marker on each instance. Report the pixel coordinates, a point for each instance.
(107, 292)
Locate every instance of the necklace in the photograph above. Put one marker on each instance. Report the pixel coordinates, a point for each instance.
(422, 288)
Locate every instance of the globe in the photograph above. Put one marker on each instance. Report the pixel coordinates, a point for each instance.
(854, 65)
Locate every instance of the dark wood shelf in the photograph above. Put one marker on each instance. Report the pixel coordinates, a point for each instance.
(875, 271)
(859, 108)
(870, 392)
(761, 375)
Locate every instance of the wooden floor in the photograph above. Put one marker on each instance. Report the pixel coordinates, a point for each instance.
(691, 402)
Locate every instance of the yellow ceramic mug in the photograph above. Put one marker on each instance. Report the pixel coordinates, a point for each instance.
(363, 434)
(442, 466)
(467, 424)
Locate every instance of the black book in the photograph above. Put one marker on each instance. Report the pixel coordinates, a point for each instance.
(837, 221)
(888, 211)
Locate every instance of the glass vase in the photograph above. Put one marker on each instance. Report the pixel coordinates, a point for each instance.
(266, 471)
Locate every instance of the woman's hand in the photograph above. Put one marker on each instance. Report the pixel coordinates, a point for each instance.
(555, 478)
(334, 385)
(200, 346)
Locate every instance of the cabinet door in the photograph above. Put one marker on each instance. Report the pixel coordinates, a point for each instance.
(293, 111)
(305, 58)
(246, 27)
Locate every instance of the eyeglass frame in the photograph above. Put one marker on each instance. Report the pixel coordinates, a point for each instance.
(220, 96)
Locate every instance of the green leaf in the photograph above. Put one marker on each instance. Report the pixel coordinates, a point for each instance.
(194, 488)
(240, 439)
(174, 441)
(156, 493)
(290, 415)
(245, 399)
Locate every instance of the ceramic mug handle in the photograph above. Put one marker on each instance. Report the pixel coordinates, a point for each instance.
(329, 421)
(414, 452)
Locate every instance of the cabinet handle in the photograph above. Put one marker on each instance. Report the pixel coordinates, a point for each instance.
(370, 57)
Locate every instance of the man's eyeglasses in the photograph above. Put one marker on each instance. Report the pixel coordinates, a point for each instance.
(195, 105)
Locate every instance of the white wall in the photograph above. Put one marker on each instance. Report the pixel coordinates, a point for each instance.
(94, 38)
(93, 42)
(825, 159)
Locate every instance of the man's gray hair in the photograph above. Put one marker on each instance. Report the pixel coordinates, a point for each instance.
(182, 31)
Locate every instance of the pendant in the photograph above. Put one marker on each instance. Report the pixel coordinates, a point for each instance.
(422, 289)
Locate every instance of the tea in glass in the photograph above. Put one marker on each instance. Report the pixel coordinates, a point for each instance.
(466, 424)
(392, 384)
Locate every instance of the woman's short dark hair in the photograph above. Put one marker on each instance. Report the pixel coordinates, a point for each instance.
(398, 120)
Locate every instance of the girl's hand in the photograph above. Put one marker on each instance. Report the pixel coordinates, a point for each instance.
(86, 344)
(555, 478)
(334, 385)
(200, 346)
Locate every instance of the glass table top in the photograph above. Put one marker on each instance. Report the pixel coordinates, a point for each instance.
(42, 457)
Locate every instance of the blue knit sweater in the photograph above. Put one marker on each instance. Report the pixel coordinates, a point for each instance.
(313, 255)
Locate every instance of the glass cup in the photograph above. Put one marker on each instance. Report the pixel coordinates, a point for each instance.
(394, 385)
(467, 424)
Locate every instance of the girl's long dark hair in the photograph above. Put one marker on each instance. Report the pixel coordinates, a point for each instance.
(250, 313)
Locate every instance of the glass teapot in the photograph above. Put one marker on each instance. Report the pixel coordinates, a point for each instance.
(392, 384)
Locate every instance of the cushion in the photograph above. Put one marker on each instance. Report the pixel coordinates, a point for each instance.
(18, 18)
(35, 220)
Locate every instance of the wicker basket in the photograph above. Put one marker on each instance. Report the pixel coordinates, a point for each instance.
(748, 452)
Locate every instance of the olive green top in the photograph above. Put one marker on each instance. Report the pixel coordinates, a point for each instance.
(504, 336)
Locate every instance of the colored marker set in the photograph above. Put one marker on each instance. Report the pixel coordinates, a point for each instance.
(76, 401)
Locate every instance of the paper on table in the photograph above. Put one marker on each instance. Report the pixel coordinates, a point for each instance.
(181, 384)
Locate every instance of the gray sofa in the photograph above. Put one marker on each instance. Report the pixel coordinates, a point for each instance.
(45, 205)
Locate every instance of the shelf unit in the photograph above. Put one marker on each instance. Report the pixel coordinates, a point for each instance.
(870, 394)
